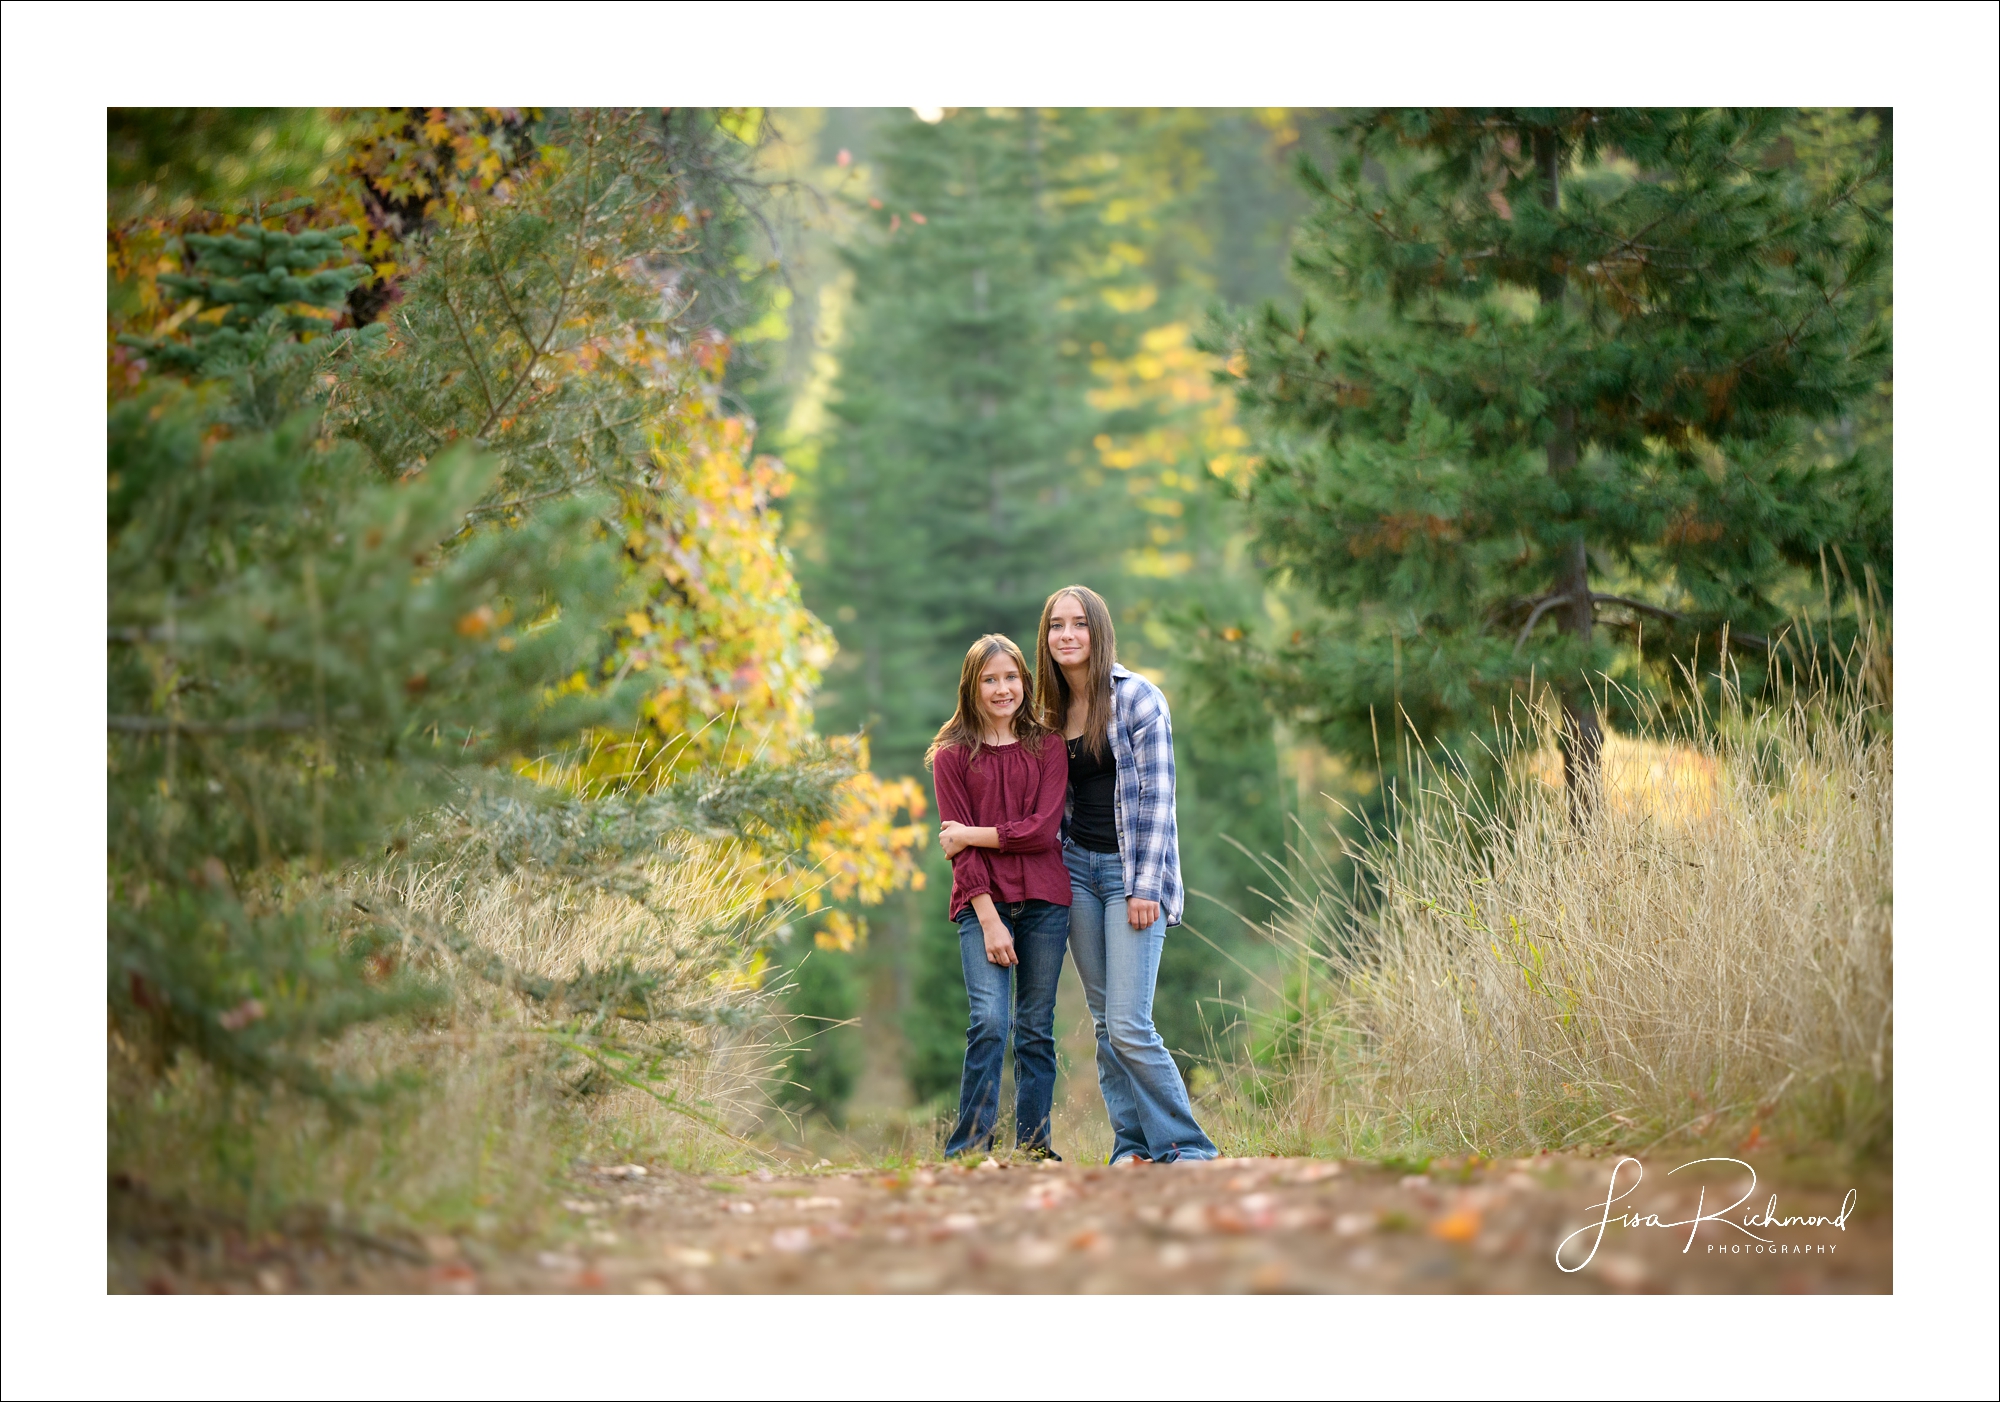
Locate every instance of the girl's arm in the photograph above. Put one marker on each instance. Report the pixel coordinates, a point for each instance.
(948, 786)
(1039, 830)
(1150, 827)
(957, 837)
(999, 939)
(969, 869)
(953, 834)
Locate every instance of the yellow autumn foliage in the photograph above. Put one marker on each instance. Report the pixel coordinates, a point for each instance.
(1193, 421)
(735, 651)
(732, 653)
(737, 655)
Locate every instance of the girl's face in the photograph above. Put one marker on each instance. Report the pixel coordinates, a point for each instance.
(1069, 632)
(1000, 689)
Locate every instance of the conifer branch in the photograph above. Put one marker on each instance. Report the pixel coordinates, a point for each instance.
(243, 725)
(538, 349)
(496, 508)
(500, 285)
(478, 371)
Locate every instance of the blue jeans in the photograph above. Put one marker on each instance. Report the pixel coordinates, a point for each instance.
(1150, 1114)
(1028, 992)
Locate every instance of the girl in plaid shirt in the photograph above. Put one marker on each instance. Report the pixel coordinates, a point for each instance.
(1122, 848)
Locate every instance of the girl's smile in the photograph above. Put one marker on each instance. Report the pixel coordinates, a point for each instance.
(1069, 633)
(1000, 689)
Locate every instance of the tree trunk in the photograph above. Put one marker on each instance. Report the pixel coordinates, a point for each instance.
(1582, 735)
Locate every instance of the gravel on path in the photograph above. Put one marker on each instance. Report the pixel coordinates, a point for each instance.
(1232, 1225)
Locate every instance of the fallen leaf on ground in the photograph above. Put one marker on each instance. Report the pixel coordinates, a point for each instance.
(1035, 1252)
(1460, 1226)
(1315, 1172)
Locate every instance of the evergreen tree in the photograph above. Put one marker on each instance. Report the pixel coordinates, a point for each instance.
(949, 501)
(1555, 425)
(295, 671)
(319, 659)
(956, 490)
(1074, 373)
(268, 285)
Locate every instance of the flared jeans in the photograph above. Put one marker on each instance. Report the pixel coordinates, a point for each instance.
(1142, 1088)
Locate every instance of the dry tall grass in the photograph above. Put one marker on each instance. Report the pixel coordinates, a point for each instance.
(1708, 953)
(695, 930)
(497, 1101)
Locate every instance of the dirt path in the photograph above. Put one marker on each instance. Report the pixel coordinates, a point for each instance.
(1230, 1226)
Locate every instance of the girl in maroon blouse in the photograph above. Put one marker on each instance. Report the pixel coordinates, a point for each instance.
(1000, 783)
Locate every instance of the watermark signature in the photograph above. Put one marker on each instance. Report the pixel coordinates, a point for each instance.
(1752, 1222)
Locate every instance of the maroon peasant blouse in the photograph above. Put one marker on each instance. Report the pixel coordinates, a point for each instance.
(1020, 795)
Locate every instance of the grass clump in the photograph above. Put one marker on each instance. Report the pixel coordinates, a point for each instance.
(499, 1088)
(1705, 956)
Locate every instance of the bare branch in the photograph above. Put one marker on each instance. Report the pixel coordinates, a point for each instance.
(1750, 640)
(1536, 617)
(1654, 609)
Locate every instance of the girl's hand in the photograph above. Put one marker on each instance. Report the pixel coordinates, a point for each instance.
(999, 945)
(1140, 914)
(956, 837)
(952, 837)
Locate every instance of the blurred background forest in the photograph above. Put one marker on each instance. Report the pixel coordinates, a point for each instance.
(988, 378)
(1008, 350)
(663, 464)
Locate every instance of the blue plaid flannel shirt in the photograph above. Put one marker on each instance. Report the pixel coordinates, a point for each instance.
(1142, 742)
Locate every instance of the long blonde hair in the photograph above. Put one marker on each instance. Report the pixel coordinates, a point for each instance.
(965, 725)
(1052, 694)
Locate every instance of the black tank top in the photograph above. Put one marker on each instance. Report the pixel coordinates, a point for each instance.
(1093, 787)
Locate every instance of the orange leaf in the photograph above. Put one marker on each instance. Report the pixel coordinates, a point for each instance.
(1459, 1226)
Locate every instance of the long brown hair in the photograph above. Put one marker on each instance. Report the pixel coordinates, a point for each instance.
(966, 723)
(1052, 695)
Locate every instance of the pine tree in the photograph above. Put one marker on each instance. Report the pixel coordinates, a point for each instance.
(948, 502)
(955, 491)
(296, 671)
(1113, 221)
(266, 284)
(1550, 422)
